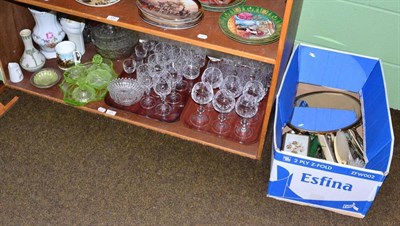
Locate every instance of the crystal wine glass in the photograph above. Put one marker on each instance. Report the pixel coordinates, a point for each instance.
(202, 93)
(232, 84)
(223, 102)
(227, 69)
(179, 66)
(129, 65)
(145, 78)
(155, 64)
(140, 51)
(246, 107)
(163, 87)
(162, 47)
(213, 76)
(255, 88)
(246, 73)
(191, 71)
(149, 45)
(176, 77)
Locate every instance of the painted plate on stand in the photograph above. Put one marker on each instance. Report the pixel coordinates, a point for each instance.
(98, 3)
(172, 26)
(251, 25)
(220, 5)
(171, 9)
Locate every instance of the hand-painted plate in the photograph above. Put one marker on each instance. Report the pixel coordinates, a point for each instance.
(168, 18)
(220, 5)
(98, 3)
(251, 25)
(169, 26)
(171, 9)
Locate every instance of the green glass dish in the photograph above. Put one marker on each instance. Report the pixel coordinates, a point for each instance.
(45, 78)
(87, 82)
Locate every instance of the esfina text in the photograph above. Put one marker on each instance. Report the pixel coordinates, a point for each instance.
(326, 182)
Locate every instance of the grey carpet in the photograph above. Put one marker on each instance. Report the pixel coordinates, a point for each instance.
(63, 166)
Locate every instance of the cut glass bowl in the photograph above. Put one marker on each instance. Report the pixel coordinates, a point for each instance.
(125, 91)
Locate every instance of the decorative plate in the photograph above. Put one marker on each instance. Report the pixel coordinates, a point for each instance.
(171, 9)
(98, 3)
(45, 78)
(251, 25)
(220, 5)
(169, 26)
(168, 18)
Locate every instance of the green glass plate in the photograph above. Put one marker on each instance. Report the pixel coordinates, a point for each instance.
(251, 25)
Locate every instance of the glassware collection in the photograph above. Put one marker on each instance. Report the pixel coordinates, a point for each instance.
(161, 78)
(228, 101)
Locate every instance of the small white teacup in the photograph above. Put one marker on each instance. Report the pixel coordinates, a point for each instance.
(67, 56)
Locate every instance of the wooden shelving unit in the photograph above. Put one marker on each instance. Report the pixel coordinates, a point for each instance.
(16, 17)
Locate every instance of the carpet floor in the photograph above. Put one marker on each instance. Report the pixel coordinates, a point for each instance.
(62, 166)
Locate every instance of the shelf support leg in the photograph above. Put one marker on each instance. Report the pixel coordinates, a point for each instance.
(5, 108)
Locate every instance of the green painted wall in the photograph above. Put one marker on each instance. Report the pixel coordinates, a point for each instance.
(367, 27)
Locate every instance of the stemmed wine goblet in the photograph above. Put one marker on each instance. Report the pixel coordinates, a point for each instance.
(140, 51)
(254, 88)
(146, 79)
(156, 65)
(163, 87)
(149, 45)
(213, 76)
(176, 77)
(179, 67)
(223, 102)
(202, 93)
(232, 84)
(129, 65)
(246, 73)
(246, 107)
(191, 71)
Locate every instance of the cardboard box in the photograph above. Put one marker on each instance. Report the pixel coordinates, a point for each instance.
(314, 182)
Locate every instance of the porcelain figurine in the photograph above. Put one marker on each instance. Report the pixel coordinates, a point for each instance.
(47, 32)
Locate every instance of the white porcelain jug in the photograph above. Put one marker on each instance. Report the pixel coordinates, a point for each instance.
(15, 72)
(47, 32)
(74, 30)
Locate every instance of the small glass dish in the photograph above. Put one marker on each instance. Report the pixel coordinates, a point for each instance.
(45, 78)
(83, 94)
(125, 91)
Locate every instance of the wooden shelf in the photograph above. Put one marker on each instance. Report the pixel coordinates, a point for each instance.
(16, 17)
(129, 18)
(177, 129)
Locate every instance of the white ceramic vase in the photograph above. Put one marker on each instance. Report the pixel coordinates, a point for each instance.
(31, 60)
(74, 30)
(47, 32)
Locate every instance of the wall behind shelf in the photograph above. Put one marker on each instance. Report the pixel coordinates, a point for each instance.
(367, 27)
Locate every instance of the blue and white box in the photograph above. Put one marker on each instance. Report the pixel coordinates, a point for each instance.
(315, 182)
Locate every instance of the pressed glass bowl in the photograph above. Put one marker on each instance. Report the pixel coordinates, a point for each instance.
(45, 78)
(125, 91)
(83, 94)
